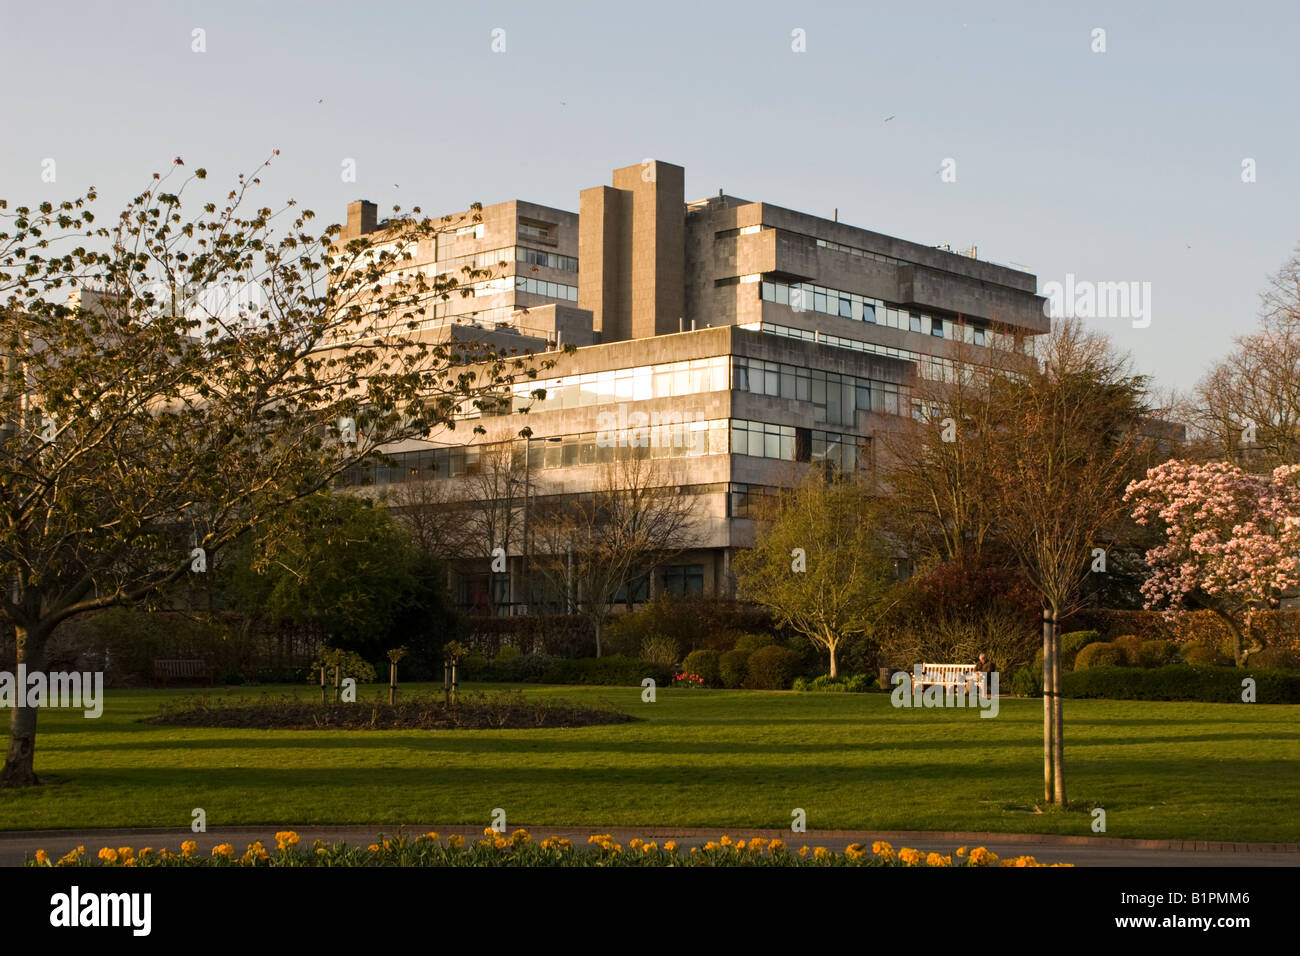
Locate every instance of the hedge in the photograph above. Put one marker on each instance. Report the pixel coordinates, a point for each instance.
(615, 671)
(1099, 655)
(772, 668)
(1183, 682)
(706, 664)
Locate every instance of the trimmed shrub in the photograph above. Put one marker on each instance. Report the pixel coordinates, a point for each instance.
(1156, 654)
(1099, 654)
(1072, 642)
(1275, 658)
(507, 654)
(1182, 682)
(1028, 682)
(1203, 653)
(614, 671)
(853, 684)
(707, 664)
(771, 668)
(752, 642)
(529, 668)
(733, 667)
(1129, 645)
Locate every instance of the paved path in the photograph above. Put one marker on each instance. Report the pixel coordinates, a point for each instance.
(1081, 851)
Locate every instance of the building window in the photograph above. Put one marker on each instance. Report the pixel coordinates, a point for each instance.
(936, 327)
(915, 322)
(979, 337)
(684, 579)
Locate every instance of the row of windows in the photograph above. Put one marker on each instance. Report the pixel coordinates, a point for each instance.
(835, 398)
(668, 380)
(789, 443)
(552, 260)
(552, 290)
(652, 441)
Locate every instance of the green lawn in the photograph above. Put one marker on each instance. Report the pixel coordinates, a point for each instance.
(700, 758)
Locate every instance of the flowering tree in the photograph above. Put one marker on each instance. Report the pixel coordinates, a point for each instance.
(1232, 540)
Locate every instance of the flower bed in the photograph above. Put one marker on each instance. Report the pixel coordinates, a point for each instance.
(471, 712)
(519, 849)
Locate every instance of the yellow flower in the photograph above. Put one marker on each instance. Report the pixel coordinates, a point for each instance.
(934, 859)
(883, 850)
(456, 841)
(373, 848)
(500, 842)
(821, 853)
(321, 851)
(286, 839)
(648, 847)
(694, 848)
(634, 843)
(909, 856)
(108, 855)
(223, 849)
(146, 852)
(129, 861)
(188, 847)
(42, 858)
(803, 851)
(726, 840)
(71, 858)
(855, 851)
(776, 846)
(489, 831)
(961, 851)
(671, 846)
(982, 857)
(519, 837)
(428, 836)
(711, 846)
(757, 844)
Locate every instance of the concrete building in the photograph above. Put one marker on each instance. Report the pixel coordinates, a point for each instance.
(737, 342)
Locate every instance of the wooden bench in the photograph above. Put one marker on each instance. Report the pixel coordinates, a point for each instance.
(949, 675)
(181, 670)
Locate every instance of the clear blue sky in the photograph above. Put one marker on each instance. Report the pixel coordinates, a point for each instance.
(1115, 166)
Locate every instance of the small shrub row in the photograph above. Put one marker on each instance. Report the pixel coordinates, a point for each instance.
(852, 684)
(1182, 682)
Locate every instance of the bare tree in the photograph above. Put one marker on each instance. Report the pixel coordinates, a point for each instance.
(589, 547)
(1062, 462)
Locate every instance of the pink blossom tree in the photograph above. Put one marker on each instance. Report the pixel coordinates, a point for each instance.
(1232, 540)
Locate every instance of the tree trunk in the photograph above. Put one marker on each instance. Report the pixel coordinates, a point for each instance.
(19, 767)
(1058, 737)
(1048, 750)
(596, 628)
(834, 668)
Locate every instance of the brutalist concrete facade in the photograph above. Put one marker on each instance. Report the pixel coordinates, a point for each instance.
(762, 339)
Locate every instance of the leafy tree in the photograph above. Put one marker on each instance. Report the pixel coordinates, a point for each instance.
(212, 369)
(822, 565)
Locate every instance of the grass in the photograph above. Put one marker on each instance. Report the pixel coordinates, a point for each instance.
(700, 759)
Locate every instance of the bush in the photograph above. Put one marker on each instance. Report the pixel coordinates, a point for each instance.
(1156, 654)
(753, 642)
(733, 667)
(1182, 682)
(854, 684)
(1099, 654)
(615, 671)
(1203, 653)
(507, 654)
(349, 663)
(772, 668)
(1028, 682)
(1275, 658)
(707, 664)
(528, 668)
(660, 649)
(1130, 646)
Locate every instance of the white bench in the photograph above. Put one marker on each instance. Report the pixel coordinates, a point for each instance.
(948, 675)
